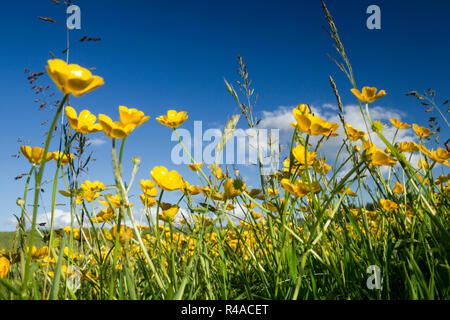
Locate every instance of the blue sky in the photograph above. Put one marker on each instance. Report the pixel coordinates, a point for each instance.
(160, 55)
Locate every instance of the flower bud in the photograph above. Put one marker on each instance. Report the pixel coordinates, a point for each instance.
(377, 126)
(136, 160)
(20, 202)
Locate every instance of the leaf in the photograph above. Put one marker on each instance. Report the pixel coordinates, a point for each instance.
(64, 193)
(72, 193)
(130, 284)
(57, 276)
(403, 243)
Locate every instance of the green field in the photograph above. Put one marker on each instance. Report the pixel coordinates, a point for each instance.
(6, 240)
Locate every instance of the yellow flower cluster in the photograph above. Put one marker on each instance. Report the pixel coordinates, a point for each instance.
(90, 191)
(35, 155)
(313, 125)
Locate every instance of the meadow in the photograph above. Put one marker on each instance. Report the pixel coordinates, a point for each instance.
(6, 240)
(308, 231)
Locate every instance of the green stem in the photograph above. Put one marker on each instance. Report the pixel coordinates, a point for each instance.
(37, 190)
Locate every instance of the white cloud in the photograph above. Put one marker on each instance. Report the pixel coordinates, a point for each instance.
(96, 142)
(280, 119)
(61, 219)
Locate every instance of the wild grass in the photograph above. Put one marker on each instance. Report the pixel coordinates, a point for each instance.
(309, 231)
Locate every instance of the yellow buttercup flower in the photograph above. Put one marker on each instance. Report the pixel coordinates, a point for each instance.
(408, 146)
(301, 109)
(167, 180)
(398, 188)
(35, 154)
(116, 129)
(423, 164)
(195, 166)
(71, 78)
(217, 171)
(75, 232)
(251, 205)
(354, 134)
(422, 180)
(4, 266)
(442, 179)
(90, 191)
(255, 215)
(37, 254)
(173, 119)
(132, 116)
(272, 207)
(104, 215)
(321, 167)
(125, 233)
(207, 192)
(57, 156)
(375, 156)
(440, 155)
(147, 201)
(233, 188)
(114, 200)
(368, 94)
(230, 206)
(379, 158)
(422, 131)
(398, 124)
(367, 145)
(148, 188)
(190, 189)
(303, 157)
(84, 123)
(313, 125)
(349, 192)
(142, 228)
(168, 214)
(388, 205)
(304, 189)
(295, 165)
(300, 188)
